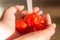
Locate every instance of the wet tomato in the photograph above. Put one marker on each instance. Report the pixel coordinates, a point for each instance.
(31, 22)
(31, 19)
(21, 26)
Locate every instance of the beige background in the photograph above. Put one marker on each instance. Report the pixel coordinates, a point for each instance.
(50, 6)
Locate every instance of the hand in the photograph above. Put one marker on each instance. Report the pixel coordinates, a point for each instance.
(7, 26)
(42, 34)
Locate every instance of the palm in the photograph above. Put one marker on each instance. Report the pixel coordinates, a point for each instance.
(7, 25)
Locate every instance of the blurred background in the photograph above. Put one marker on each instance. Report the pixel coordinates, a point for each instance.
(48, 6)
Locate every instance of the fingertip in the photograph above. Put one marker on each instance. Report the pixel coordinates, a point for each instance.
(51, 27)
(24, 12)
(48, 19)
(9, 13)
(35, 9)
(40, 12)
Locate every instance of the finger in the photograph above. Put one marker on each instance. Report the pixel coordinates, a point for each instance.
(50, 30)
(10, 12)
(24, 12)
(48, 19)
(40, 12)
(9, 15)
(35, 9)
(19, 8)
(21, 14)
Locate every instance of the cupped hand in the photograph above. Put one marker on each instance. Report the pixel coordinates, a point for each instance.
(7, 25)
(45, 34)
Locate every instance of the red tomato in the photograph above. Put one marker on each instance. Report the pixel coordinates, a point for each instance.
(31, 22)
(42, 20)
(31, 19)
(21, 26)
(42, 24)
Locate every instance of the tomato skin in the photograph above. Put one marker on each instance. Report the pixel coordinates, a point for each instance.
(41, 25)
(30, 23)
(31, 19)
(21, 26)
(35, 22)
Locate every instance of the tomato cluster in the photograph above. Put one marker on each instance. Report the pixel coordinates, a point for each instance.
(31, 22)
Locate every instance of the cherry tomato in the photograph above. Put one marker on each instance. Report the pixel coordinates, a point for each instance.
(31, 19)
(21, 26)
(31, 22)
(42, 24)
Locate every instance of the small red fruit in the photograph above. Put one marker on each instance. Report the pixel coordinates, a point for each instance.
(31, 19)
(35, 22)
(42, 24)
(31, 22)
(42, 20)
(21, 26)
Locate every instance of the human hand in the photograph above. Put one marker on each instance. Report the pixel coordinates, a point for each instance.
(9, 26)
(7, 23)
(45, 34)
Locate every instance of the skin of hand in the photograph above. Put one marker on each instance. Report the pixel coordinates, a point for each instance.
(42, 34)
(7, 26)
(7, 23)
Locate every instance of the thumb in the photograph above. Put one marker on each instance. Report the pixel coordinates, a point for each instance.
(50, 30)
(51, 27)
